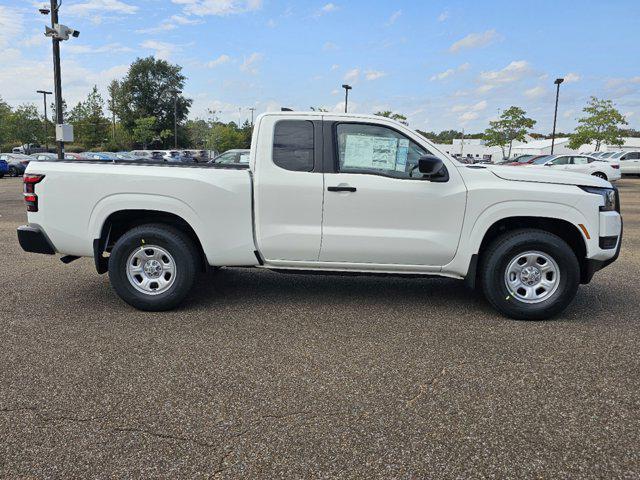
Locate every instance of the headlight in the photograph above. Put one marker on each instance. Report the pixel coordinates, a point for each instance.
(608, 195)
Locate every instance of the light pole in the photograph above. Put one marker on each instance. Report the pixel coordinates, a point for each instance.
(46, 140)
(557, 82)
(253, 109)
(346, 96)
(175, 117)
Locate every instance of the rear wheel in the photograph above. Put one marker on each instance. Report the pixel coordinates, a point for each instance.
(530, 274)
(600, 175)
(153, 267)
(13, 171)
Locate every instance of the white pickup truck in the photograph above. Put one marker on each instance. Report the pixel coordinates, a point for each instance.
(329, 193)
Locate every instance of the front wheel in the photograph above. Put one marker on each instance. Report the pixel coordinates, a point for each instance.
(13, 171)
(530, 274)
(153, 267)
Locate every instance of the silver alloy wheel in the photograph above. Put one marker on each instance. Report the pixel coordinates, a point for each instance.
(532, 277)
(151, 270)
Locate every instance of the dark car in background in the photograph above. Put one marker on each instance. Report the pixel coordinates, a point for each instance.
(236, 156)
(16, 163)
(4, 168)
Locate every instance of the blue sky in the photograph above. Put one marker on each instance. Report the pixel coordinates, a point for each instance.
(443, 64)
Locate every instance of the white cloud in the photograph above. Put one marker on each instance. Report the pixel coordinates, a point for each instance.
(468, 117)
(163, 50)
(171, 23)
(329, 46)
(334, 67)
(326, 8)
(203, 8)
(443, 16)
(249, 63)
(571, 77)
(222, 59)
(92, 49)
(536, 92)
(374, 74)
(513, 72)
(477, 107)
(11, 25)
(394, 17)
(95, 7)
(449, 72)
(475, 40)
(352, 75)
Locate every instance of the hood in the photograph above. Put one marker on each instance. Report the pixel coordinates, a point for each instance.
(546, 175)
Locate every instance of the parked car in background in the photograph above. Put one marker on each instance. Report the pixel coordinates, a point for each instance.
(149, 155)
(4, 168)
(629, 162)
(239, 156)
(176, 156)
(127, 156)
(580, 164)
(522, 160)
(39, 157)
(199, 156)
(73, 156)
(28, 149)
(107, 156)
(16, 163)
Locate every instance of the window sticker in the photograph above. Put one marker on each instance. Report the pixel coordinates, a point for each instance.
(402, 154)
(370, 152)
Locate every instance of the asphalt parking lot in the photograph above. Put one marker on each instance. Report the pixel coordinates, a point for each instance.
(264, 375)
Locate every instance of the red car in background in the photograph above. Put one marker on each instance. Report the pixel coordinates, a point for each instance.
(522, 160)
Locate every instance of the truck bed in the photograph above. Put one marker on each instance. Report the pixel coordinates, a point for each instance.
(77, 197)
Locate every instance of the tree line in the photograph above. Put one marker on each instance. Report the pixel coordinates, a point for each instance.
(140, 110)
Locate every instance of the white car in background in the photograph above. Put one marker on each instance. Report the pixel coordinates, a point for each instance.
(629, 162)
(581, 164)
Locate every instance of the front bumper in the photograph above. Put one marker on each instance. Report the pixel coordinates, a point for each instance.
(33, 240)
(591, 266)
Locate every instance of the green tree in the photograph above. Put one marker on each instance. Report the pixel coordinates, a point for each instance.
(602, 124)
(512, 125)
(144, 131)
(24, 125)
(398, 117)
(148, 91)
(89, 123)
(5, 113)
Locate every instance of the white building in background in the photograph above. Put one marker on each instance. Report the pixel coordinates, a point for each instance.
(542, 147)
(476, 150)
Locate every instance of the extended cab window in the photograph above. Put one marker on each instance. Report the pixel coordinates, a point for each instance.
(375, 149)
(293, 145)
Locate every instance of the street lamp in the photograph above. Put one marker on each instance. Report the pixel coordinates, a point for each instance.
(175, 117)
(557, 82)
(346, 96)
(46, 141)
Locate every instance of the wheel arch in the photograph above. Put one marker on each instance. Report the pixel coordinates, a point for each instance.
(121, 221)
(558, 226)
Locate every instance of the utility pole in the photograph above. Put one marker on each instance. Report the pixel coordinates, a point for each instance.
(46, 119)
(558, 81)
(253, 109)
(57, 75)
(346, 96)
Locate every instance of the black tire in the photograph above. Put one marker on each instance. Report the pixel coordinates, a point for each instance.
(185, 256)
(13, 171)
(601, 175)
(504, 249)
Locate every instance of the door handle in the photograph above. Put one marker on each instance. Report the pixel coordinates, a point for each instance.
(342, 189)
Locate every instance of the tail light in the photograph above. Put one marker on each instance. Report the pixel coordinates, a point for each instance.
(25, 162)
(30, 197)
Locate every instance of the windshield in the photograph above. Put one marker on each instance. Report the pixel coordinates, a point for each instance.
(543, 160)
(617, 155)
(606, 155)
